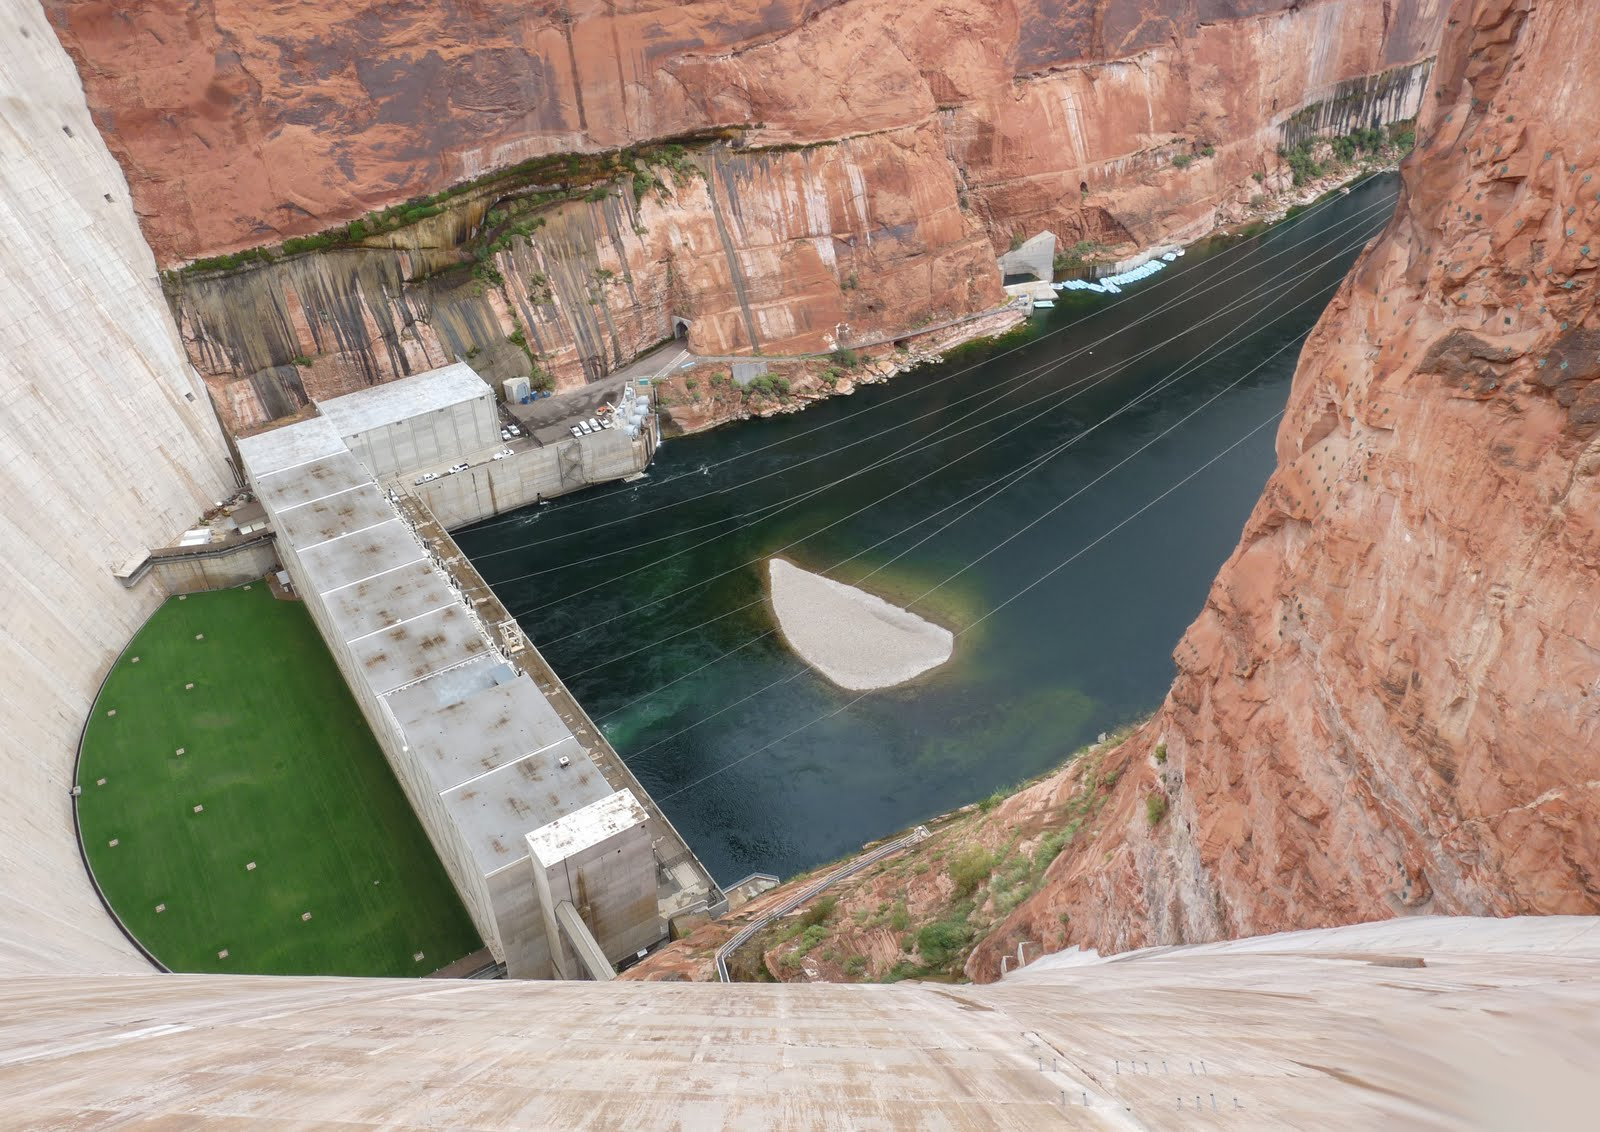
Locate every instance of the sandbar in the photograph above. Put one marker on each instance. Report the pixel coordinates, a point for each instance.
(855, 639)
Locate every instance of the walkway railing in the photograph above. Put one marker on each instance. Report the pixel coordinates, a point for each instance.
(811, 892)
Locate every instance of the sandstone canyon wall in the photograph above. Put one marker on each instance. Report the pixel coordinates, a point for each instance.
(850, 170)
(1390, 704)
(107, 447)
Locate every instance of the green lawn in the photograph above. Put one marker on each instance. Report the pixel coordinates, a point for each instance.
(289, 776)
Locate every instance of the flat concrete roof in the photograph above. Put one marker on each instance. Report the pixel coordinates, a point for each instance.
(415, 649)
(400, 400)
(361, 554)
(289, 446)
(320, 478)
(583, 829)
(480, 730)
(393, 597)
(495, 813)
(312, 523)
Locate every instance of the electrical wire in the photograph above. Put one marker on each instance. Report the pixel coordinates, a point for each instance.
(1250, 244)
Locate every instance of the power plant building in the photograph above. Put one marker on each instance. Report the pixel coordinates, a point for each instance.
(485, 759)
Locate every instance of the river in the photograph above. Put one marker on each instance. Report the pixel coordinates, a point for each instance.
(1108, 462)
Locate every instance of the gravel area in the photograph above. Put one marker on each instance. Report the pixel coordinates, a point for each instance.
(856, 640)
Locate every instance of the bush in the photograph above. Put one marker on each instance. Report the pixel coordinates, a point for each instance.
(1209, 151)
(899, 919)
(598, 193)
(1258, 176)
(971, 869)
(855, 965)
(942, 941)
(1155, 808)
(1183, 161)
(992, 801)
(847, 357)
(1161, 753)
(819, 912)
(1301, 163)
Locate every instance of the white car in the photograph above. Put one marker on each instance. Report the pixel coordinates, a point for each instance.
(425, 477)
(513, 430)
(505, 434)
(605, 422)
(594, 424)
(457, 468)
(578, 432)
(502, 454)
(586, 427)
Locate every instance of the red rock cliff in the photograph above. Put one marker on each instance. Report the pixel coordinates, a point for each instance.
(245, 122)
(874, 157)
(1391, 702)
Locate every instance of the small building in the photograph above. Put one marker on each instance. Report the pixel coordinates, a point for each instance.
(432, 418)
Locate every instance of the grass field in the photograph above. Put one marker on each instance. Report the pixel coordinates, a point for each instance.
(290, 777)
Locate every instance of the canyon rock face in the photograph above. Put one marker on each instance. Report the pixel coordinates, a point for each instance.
(1390, 704)
(853, 168)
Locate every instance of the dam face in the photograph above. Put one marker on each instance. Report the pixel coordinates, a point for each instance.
(108, 446)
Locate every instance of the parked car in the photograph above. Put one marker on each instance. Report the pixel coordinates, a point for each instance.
(594, 424)
(502, 454)
(425, 477)
(458, 468)
(576, 431)
(586, 426)
(505, 434)
(606, 422)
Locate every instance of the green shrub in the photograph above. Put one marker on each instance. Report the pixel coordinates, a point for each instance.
(301, 360)
(1182, 161)
(598, 193)
(846, 357)
(819, 912)
(1155, 808)
(855, 965)
(1258, 176)
(899, 919)
(1161, 753)
(942, 941)
(1209, 151)
(971, 869)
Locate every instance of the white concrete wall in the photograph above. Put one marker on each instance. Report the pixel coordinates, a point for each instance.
(102, 455)
(498, 486)
(433, 441)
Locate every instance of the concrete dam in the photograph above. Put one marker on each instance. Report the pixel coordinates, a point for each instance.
(111, 447)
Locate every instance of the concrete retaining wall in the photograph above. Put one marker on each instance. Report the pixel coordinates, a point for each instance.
(215, 569)
(497, 486)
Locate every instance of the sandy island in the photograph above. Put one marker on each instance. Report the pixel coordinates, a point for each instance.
(856, 640)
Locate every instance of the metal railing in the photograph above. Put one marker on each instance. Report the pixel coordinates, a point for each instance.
(811, 892)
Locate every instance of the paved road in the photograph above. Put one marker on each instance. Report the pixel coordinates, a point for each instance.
(549, 418)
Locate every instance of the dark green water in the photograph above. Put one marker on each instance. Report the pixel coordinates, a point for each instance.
(634, 592)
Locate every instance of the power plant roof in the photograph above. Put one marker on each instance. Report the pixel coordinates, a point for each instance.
(402, 400)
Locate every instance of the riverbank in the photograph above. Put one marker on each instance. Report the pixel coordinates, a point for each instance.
(705, 394)
(922, 913)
